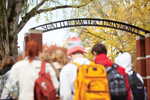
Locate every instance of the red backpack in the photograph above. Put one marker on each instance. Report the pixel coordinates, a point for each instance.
(43, 88)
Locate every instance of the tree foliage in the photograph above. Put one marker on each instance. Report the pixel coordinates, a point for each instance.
(52, 47)
(135, 12)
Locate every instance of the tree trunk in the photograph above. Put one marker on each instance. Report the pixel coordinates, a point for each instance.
(8, 29)
(13, 48)
(8, 47)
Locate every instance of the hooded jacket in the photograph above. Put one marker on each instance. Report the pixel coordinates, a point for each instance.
(103, 59)
(125, 61)
(4, 73)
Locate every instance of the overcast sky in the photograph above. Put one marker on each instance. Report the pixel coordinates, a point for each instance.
(58, 36)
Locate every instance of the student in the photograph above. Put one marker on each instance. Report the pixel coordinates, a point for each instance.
(59, 59)
(44, 56)
(125, 61)
(7, 63)
(99, 52)
(24, 73)
(69, 72)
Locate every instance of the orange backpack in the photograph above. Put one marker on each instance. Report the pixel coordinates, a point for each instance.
(44, 89)
(91, 82)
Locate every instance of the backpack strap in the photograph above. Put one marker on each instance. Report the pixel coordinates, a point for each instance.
(114, 65)
(130, 79)
(78, 65)
(43, 66)
(134, 75)
(92, 63)
(109, 69)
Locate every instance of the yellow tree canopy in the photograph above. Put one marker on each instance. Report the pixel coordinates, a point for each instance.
(135, 12)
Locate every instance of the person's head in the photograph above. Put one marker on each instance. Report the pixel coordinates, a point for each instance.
(75, 48)
(125, 61)
(44, 56)
(8, 61)
(98, 48)
(59, 56)
(32, 50)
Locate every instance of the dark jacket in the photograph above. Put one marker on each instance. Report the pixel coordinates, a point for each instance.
(4, 73)
(5, 70)
(103, 59)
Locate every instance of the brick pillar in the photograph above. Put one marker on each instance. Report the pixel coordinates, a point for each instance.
(36, 35)
(141, 59)
(26, 39)
(147, 48)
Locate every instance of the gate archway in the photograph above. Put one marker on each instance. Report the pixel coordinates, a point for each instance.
(142, 41)
(92, 22)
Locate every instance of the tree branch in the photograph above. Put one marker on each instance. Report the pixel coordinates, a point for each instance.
(88, 32)
(58, 7)
(37, 6)
(34, 12)
(95, 35)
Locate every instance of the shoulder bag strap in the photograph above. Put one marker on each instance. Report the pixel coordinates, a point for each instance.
(130, 79)
(113, 67)
(43, 66)
(135, 77)
(91, 62)
(77, 64)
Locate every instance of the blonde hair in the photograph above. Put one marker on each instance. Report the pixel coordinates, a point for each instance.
(44, 56)
(59, 56)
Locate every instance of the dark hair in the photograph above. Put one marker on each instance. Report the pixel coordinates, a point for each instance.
(78, 52)
(99, 48)
(7, 62)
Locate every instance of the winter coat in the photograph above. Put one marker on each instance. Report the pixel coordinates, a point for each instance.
(125, 61)
(22, 77)
(103, 59)
(4, 73)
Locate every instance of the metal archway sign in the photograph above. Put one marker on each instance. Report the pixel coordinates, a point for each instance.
(92, 22)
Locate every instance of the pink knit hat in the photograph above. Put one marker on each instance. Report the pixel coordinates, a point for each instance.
(74, 45)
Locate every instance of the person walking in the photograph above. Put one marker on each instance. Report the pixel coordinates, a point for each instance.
(7, 63)
(82, 79)
(99, 52)
(135, 79)
(23, 74)
(59, 59)
(69, 72)
(45, 56)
